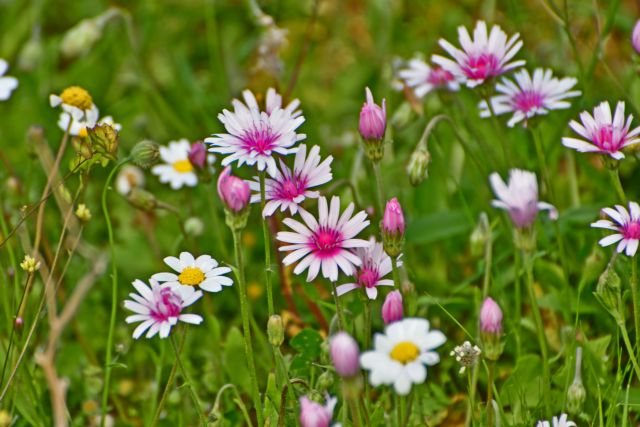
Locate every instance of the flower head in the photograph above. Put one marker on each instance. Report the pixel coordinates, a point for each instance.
(345, 354)
(129, 177)
(233, 191)
(7, 83)
(557, 422)
(373, 118)
(520, 197)
(490, 317)
(466, 354)
(80, 127)
(626, 227)
(289, 188)
(401, 353)
(393, 219)
(177, 169)
(159, 307)
(485, 56)
(530, 96)
(635, 37)
(392, 310)
(325, 243)
(29, 264)
(313, 414)
(422, 78)
(76, 102)
(198, 155)
(602, 133)
(202, 272)
(254, 135)
(374, 265)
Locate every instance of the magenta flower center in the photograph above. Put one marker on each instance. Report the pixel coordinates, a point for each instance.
(168, 305)
(631, 230)
(325, 242)
(260, 140)
(482, 66)
(607, 139)
(439, 76)
(367, 276)
(290, 188)
(528, 100)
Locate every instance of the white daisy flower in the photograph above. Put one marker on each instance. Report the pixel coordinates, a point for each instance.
(160, 307)
(481, 58)
(530, 96)
(79, 127)
(77, 102)
(401, 353)
(557, 422)
(129, 177)
(254, 135)
(627, 226)
(324, 243)
(202, 272)
(7, 83)
(177, 170)
(288, 189)
(602, 133)
(422, 78)
(374, 265)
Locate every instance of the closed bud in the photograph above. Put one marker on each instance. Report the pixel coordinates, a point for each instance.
(576, 395)
(104, 138)
(29, 264)
(345, 355)
(392, 228)
(491, 329)
(275, 330)
(635, 37)
(325, 381)
(145, 154)
(83, 213)
(608, 291)
(80, 39)
(481, 235)
(30, 55)
(194, 226)
(142, 199)
(372, 126)
(198, 154)
(418, 165)
(19, 322)
(392, 309)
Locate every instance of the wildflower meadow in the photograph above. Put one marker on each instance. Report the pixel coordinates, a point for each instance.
(319, 213)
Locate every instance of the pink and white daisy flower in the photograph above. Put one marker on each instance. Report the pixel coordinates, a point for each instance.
(530, 95)
(482, 58)
(254, 135)
(563, 421)
(374, 265)
(203, 272)
(324, 243)
(627, 227)
(604, 134)
(160, 307)
(287, 189)
(177, 169)
(422, 78)
(520, 197)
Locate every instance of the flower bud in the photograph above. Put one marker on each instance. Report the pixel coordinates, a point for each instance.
(31, 54)
(198, 154)
(392, 310)
(194, 226)
(417, 168)
(491, 328)
(392, 228)
(481, 235)
(325, 381)
(635, 37)
(80, 39)
(233, 191)
(608, 291)
(142, 199)
(83, 213)
(576, 395)
(145, 154)
(19, 322)
(275, 330)
(5, 418)
(345, 355)
(313, 414)
(104, 139)
(29, 264)
(372, 126)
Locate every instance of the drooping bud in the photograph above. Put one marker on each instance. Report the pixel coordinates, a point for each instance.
(345, 355)
(608, 291)
(491, 328)
(29, 264)
(198, 154)
(418, 165)
(576, 395)
(635, 37)
(142, 199)
(145, 154)
(372, 126)
(393, 228)
(275, 330)
(392, 309)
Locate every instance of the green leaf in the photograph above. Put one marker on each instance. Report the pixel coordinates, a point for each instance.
(438, 226)
(235, 359)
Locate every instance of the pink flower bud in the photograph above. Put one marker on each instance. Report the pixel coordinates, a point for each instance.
(19, 322)
(373, 119)
(198, 154)
(313, 414)
(635, 37)
(393, 219)
(392, 308)
(345, 355)
(490, 317)
(233, 191)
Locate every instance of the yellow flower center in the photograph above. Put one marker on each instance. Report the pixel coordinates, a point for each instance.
(183, 166)
(77, 97)
(191, 276)
(405, 352)
(83, 133)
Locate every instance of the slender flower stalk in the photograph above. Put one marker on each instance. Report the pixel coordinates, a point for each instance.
(267, 246)
(187, 380)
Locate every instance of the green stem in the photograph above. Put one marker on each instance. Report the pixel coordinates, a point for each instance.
(627, 343)
(187, 379)
(336, 298)
(542, 341)
(472, 378)
(367, 320)
(267, 245)
(573, 179)
(634, 295)
(167, 387)
(490, 393)
(488, 259)
(400, 407)
(615, 180)
(114, 293)
(246, 326)
(542, 161)
(395, 274)
(379, 191)
(353, 407)
(506, 152)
